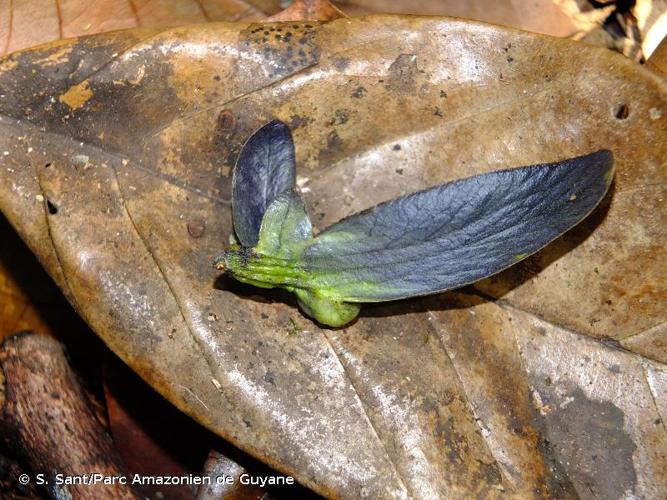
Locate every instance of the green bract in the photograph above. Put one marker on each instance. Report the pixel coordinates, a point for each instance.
(433, 240)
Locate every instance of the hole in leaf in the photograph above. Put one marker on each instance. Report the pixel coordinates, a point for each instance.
(51, 207)
(621, 112)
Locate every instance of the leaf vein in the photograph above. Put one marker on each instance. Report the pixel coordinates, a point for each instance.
(364, 409)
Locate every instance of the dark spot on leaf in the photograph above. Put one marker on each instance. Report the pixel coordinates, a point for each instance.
(268, 377)
(277, 52)
(297, 121)
(333, 140)
(340, 63)
(510, 59)
(443, 94)
(396, 147)
(589, 439)
(359, 92)
(437, 111)
(399, 171)
(196, 228)
(332, 149)
(341, 116)
(621, 112)
(51, 207)
(226, 121)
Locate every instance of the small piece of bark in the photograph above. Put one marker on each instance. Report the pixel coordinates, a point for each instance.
(47, 419)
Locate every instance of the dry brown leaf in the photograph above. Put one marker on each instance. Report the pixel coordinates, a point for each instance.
(305, 10)
(540, 16)
(130, 138)
(28, 23)
(24, 24)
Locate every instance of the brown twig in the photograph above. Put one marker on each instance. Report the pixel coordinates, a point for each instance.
(47, 419)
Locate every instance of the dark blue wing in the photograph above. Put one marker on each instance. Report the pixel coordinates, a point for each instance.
(264, 169)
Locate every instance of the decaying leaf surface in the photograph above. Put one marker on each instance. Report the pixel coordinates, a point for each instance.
(130, 138)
